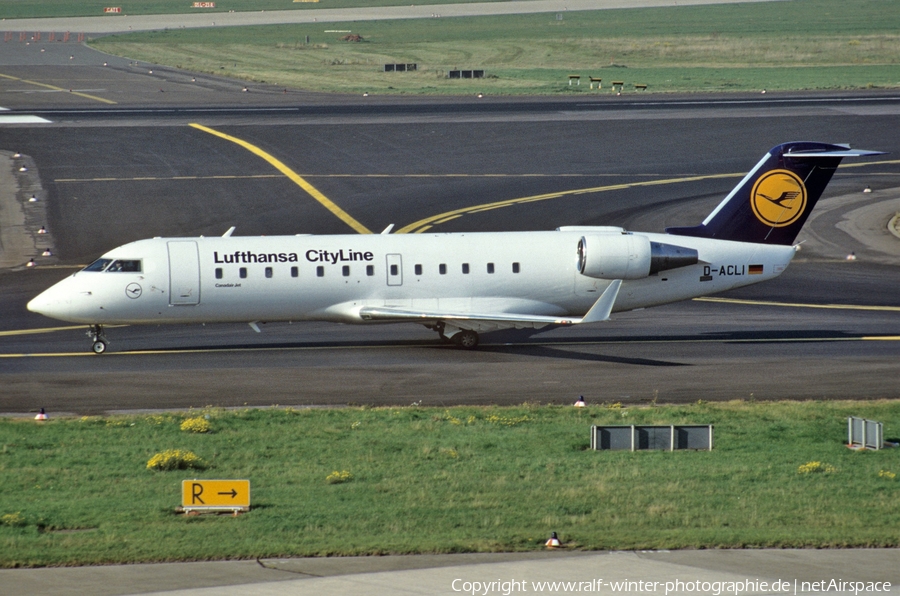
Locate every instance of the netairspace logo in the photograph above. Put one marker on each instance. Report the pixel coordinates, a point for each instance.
(715, 588)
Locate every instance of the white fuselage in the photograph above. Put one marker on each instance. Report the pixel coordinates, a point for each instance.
(293, 278)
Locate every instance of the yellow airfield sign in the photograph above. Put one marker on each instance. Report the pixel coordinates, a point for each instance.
(215, 494)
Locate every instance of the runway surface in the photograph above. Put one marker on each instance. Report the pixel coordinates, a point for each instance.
(118, 160)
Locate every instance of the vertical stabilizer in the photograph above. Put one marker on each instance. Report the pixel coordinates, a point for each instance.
(773, 201)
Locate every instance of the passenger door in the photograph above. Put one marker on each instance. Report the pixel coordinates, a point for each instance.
(184, 273)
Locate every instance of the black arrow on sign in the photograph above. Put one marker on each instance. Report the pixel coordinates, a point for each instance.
(233, 493)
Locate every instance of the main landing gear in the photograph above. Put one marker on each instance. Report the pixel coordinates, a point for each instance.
(466, 339)
(100, 341)
(463, 338)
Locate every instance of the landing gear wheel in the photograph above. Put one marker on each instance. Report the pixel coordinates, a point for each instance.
(466, 339)
(96, 335)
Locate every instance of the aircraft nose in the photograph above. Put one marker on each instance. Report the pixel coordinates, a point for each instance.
(50, 304)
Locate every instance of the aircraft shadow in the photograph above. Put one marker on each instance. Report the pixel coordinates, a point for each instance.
(560, 354)
(524, 336)
(529, 342)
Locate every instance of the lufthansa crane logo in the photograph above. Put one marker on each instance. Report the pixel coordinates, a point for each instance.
(133, 290)
(778, 198)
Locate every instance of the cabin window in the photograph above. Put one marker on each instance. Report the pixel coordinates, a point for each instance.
(320, 271)
(345, 270)
(295, 271)
(370, 270)
(465, 268)
(418, 270)
(268, 272)
(515, 267)
(394, 270)
(490, 267)
(125, 266)
(218, 273)
(98, 265)
(243, 272)
(442, 269)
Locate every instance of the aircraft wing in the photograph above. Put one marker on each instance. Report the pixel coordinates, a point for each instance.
(600, 311)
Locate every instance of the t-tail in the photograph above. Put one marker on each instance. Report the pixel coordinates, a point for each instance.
(773, 201)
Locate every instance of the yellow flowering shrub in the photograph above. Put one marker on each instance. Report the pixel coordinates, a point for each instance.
(12, 519)
(816, 467)
(196, 425)
(339, 477)
(507, 421)
(175, 459)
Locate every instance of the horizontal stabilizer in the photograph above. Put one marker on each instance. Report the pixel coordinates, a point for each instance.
(837, 153)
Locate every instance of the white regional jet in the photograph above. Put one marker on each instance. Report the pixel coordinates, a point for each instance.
(457, 284)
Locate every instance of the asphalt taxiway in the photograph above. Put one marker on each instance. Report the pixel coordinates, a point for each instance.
(664, 573)
(108, 178)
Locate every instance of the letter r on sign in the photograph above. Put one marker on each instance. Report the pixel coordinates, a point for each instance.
(196, 491)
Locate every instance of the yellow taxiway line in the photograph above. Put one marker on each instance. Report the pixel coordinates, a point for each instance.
(39, 331)
(424, 224)
(292, 175)
(799, 305)
(554, 344)
(55, 88)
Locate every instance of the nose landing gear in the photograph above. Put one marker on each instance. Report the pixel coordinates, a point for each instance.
(99, 339)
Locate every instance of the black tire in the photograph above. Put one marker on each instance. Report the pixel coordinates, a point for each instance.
(466, 339)
(99, 347)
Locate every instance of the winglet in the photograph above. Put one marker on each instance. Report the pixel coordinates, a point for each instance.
(604, 305)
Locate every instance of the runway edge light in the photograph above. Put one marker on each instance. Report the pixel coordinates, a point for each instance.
(553, 541)
(42, 415)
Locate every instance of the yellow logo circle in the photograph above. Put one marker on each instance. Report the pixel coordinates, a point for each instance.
(778, 198)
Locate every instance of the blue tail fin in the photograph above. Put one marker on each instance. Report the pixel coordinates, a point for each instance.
(772, 202)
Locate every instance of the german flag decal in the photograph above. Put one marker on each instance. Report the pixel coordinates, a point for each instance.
(755, 269)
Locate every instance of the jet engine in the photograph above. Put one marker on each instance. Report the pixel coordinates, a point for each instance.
(629, 256)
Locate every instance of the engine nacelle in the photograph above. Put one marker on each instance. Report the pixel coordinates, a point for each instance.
(629, 256)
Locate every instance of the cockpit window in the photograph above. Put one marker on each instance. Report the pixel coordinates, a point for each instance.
(119, 265)
(98, 265)
(126, 266)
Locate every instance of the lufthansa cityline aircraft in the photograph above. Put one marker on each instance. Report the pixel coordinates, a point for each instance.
(457, 284)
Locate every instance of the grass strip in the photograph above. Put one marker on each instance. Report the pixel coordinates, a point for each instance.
(802, 44)
(423, 480)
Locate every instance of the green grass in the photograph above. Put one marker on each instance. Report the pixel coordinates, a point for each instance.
(803, 44)
(20, 9)
(77, 491)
